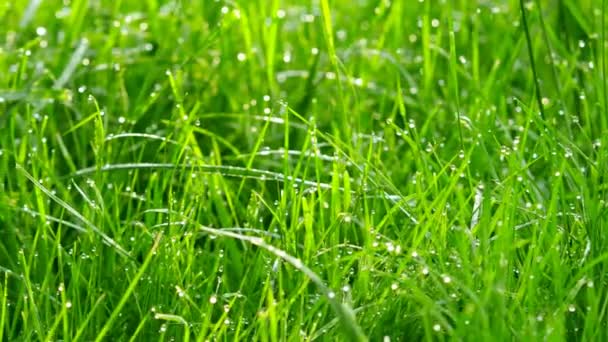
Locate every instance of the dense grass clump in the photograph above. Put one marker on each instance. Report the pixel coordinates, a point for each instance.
(303, 170)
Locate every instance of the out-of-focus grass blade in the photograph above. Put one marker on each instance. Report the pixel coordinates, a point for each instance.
(72, 64)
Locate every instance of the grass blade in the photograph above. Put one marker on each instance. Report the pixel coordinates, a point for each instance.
(125, 297)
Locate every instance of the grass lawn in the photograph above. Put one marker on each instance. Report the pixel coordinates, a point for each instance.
(303, 170)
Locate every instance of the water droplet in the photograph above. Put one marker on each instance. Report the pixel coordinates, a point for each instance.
(545, 101)
(287, 57)
(307, 18)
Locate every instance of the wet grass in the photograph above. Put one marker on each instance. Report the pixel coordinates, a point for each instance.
(303, 170)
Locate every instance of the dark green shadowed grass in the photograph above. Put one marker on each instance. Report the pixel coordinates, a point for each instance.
(294, 170)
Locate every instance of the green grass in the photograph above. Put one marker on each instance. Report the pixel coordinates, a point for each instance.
(303, 170)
